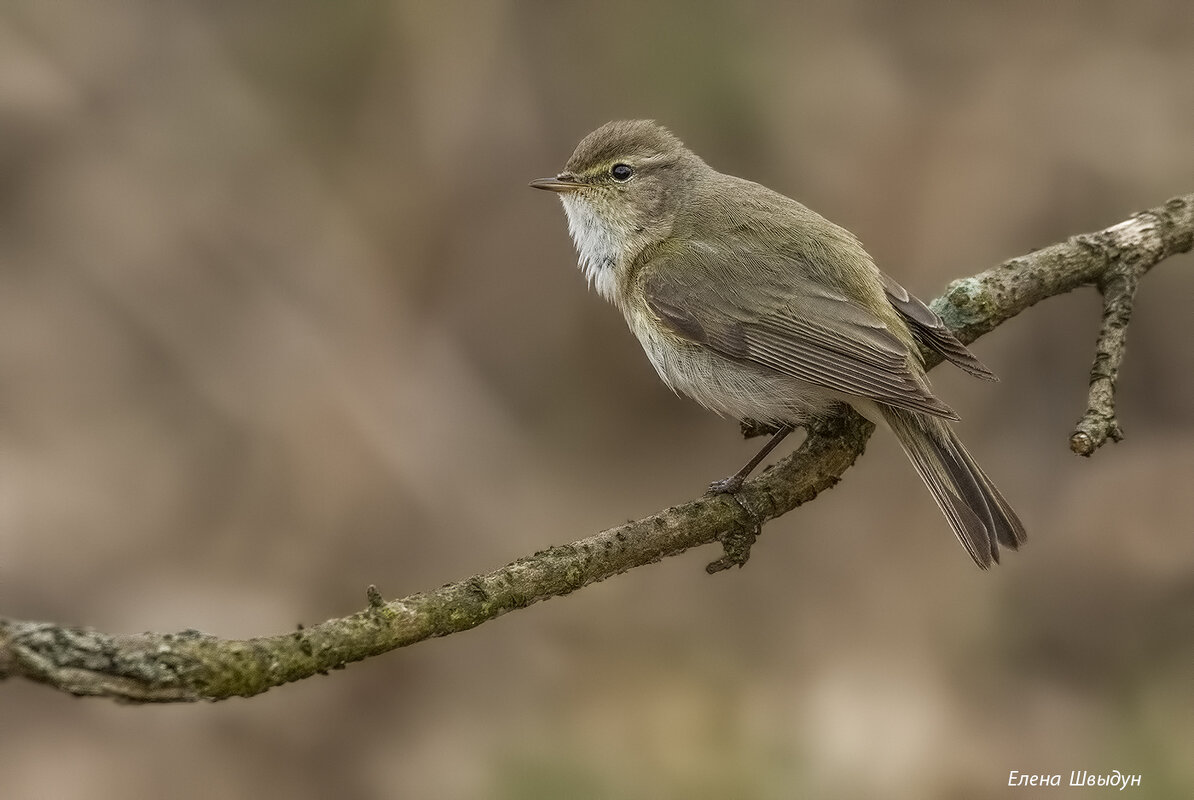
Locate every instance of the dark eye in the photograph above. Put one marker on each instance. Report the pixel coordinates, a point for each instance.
(621, 172)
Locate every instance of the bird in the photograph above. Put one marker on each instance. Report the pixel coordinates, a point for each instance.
(759, 308)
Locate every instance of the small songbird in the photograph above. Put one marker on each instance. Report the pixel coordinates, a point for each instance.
(759, 308)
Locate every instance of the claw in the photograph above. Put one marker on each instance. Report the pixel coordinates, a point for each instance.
(728, 485)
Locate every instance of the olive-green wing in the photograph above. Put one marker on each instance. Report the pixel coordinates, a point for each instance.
(773, 315)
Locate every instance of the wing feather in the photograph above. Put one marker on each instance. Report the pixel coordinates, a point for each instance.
(805, 329)
(931, 331)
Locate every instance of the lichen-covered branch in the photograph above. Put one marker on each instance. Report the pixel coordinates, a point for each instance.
(189, 666)
(1113, 260)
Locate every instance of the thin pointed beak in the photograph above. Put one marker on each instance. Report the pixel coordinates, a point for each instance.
(555, 185)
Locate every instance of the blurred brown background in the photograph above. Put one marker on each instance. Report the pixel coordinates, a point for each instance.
(272, 289)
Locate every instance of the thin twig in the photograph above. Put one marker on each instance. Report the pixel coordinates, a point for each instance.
(1118, 286)
(1099, 423)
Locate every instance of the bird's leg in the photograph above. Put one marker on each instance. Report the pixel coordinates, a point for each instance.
(734, 482)
(752, 428)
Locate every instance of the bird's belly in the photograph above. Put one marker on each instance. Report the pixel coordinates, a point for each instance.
(728, 387)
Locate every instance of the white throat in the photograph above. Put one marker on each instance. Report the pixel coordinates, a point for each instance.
(596, 241)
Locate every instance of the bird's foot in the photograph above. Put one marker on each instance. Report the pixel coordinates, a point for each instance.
(736, 542)
(728, 485)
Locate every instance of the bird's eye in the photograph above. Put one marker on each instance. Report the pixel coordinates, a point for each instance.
(621, 172)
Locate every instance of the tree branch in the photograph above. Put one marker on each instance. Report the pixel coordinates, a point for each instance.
(189, 666)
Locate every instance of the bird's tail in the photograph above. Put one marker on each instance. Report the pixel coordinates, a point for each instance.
(979, 515)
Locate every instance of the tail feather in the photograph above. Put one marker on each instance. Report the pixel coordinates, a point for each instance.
(975, 509)
(1009, 530)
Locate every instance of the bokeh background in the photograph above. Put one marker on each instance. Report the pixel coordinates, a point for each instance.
(273, 290)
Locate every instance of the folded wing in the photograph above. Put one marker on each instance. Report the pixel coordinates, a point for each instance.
(797, 328)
